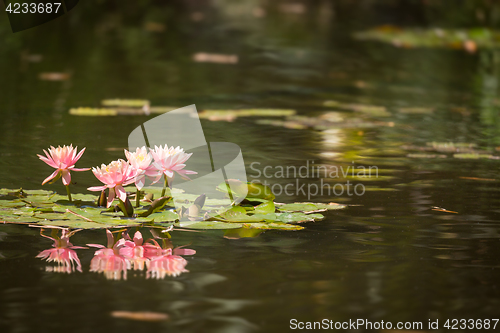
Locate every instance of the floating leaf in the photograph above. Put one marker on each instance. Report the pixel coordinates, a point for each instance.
(475, 156)
(299, 217)
(134, 103)
(155, 206)
(373, 110)
(276, 226)
(92, 112)
(230, 115)
(49, 209)
(165, 216)
(259, 191)
(298, 207)
(208, 225)
(467, 39)
(379, 189)
(38, 192)
(264, 208)
(233, 212)
(416, 110)
(252, 190)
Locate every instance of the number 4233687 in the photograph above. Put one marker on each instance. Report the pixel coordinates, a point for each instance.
(23, 8)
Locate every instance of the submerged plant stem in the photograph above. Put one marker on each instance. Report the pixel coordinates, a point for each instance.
(137, 198)
(69, 193)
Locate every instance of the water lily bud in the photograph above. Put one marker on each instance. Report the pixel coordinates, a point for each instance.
(182, 211)
(200, 201)
(102, 200)
(129, 207)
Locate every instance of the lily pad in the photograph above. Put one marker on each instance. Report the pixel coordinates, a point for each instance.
(275, 226)
(208, 225)
(373, 110)
(265, 208)
(92, 112)
(308, 206)
(299, 217)
(49, 209)
(230, 115)
(164, 216)
(125, 102)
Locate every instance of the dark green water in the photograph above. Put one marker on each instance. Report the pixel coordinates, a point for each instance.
(388, 257)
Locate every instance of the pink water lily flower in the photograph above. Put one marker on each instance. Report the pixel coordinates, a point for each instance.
(141, 160)
(63, 253)
(109, 261)
(63, 159)
(115, 175)
(170, 160)
(133, 250)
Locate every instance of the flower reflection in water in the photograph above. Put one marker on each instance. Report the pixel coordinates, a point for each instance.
(108, 260)
(127, 253)
(63, 252)
(165, 261)
(133, 250)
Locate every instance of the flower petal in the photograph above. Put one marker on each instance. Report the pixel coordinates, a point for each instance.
(48, 161)
(79, 154)
(52, 176)
(120, 193)
(80, 169)
(97, 188)
(111, 197)
(66, 177)
(140, 181)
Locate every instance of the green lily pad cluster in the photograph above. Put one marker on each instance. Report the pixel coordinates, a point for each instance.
(257, 211)
(137, 107)
(467, 151)
(467, 39)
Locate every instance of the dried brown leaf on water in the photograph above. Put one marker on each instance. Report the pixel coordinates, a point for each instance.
(138, 103)
(54, 76)
(155, 27)
(476, 178)
(439, 209)
(416, 110)
(215, 58)
(141, 316)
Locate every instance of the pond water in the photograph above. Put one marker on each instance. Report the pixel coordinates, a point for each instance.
(421, 243)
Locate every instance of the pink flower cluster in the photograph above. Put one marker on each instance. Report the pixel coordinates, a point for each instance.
(118, 257)
(141, 164)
